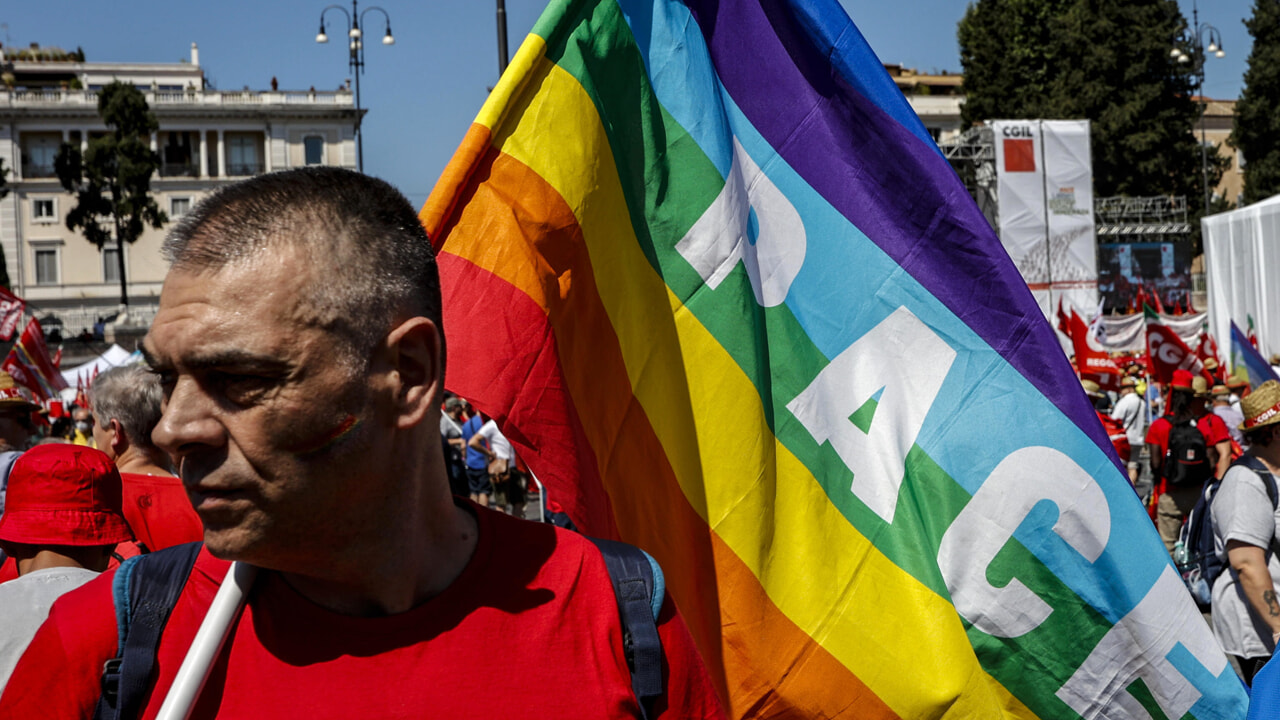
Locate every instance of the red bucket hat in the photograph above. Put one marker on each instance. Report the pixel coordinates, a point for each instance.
(1182, 380)
(62, 494)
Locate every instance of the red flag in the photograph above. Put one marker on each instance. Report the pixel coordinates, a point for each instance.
(11, 309)
(1166, 352)
(1155, 298)
(30, 359)
(82, 397)
(1208, 347)
(1177, 309)
(1064, 324)
(57, 359)
(1190, 308)
(1092, 360)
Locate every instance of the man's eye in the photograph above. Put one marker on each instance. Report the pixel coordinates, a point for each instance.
(243, 388)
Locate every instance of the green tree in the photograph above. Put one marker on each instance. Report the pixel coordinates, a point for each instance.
(1257, 130)
(1104, 60)
(112, 180)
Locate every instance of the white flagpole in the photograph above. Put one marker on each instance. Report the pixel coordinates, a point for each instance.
(208, 643)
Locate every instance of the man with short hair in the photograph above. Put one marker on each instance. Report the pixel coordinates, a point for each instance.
(1246, 612)
(126, 408)
(1128, 411)
(455, 447)
(62, 523)
(299, 348)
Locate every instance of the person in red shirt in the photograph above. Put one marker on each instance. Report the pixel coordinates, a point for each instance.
(299, 349)
(126, 408)
(1186, 402)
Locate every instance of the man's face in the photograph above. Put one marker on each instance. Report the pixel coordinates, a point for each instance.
(277, 441)
(15, 430)
(102, 436)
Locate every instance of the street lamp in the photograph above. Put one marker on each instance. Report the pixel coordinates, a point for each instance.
(1203, 39)
(355, 46)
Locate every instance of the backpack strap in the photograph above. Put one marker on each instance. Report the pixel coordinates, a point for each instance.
(145, 589)
(639, 588)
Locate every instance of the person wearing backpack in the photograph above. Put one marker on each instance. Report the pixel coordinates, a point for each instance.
(1246, 611)
(1181, 458)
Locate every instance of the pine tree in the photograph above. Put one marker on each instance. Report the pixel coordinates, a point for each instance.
(1257, 130)
(112, 180)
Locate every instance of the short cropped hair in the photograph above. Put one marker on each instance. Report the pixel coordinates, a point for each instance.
(363, 238)
(130, 395)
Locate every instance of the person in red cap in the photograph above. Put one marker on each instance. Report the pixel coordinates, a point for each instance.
(126, 408)
(61, 523)
(1181, 460)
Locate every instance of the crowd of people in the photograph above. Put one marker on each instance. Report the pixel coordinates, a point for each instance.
(1210, 446)
(294, 379)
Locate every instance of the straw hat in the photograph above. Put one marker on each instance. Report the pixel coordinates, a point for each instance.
(1261, 407)
(1091, 388)
(1200, 387)
(15, 397)
(64, 494)
(1220, 391)
(1128, 381)
(1235, 381)
(1210, 364)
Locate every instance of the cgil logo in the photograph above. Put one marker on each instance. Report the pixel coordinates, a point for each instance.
(1017, 131)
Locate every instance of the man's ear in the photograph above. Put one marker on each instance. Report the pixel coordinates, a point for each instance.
(413, 350)
(119, 441)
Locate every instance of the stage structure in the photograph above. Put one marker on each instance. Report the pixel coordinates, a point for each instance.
(1033, 180)
(1140, 241)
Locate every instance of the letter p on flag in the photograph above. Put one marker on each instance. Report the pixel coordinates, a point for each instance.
(1019, 155)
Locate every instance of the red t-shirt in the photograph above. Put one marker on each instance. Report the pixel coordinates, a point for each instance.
(529, 629)
(1210, 426)
(159, 512)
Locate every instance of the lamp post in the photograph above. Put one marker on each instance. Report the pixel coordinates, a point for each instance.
(1203, 39)
(355, 44)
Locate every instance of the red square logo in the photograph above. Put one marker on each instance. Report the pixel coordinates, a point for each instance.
(1019, 155)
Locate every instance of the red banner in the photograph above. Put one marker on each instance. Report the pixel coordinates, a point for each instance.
(1166, 352)
(30, 365)
(1093, 362)
(11, 309)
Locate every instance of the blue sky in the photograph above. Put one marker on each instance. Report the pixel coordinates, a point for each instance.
(423, 92)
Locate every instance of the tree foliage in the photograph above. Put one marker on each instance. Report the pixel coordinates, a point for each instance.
(1257, 129)
(112, 179)
(1104, 60)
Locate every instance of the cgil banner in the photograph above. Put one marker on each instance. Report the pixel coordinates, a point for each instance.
(1044, 176)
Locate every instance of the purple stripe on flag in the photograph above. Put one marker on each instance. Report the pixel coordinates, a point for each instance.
(898, 192)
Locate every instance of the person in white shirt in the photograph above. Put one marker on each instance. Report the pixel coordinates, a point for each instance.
(62, 523)
(1129, 412)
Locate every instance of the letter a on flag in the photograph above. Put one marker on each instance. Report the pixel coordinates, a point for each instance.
(713, 278)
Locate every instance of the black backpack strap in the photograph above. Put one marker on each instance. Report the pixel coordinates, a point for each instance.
(639, 588)
(145, 589)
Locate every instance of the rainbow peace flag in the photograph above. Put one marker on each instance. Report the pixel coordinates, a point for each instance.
(1246, 361)
(716, 282)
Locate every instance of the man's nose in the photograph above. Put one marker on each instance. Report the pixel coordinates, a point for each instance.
(188, 422)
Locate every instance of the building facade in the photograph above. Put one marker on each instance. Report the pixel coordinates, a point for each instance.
(207, 138)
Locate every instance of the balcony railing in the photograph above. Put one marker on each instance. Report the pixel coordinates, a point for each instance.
(191, 169)
(242, 169)
(89, 98)
(34, 170)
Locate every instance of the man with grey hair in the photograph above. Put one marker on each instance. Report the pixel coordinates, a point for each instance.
(300, 351)
(126, 408)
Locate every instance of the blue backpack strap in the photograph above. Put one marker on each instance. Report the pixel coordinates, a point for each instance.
(145, 589)
(639, 588)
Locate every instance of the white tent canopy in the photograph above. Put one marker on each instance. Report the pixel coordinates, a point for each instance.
(115, 356)
(1241, 253)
